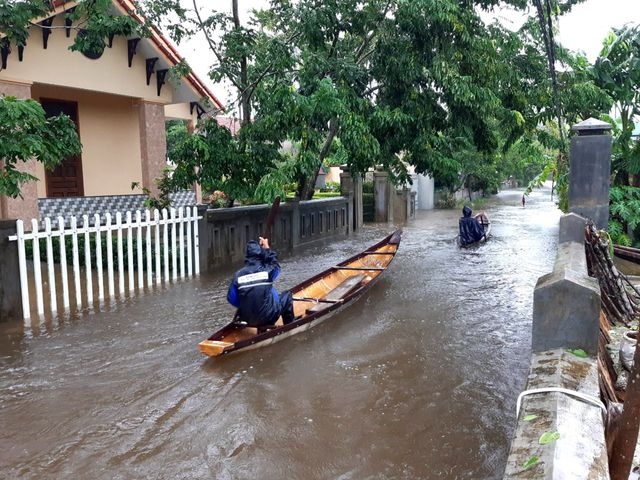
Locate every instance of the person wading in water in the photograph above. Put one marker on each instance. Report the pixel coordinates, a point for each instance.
(470, 229)
(252, 292)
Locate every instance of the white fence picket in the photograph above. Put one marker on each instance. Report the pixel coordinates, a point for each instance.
(174, 257)
(156, 228)
(112, 289)
(37, 274)
(98, 240)
(181, 235)
(50, 268)
(162, 254)
(76, 261)
(196, 242)
(165, 244)
(22, 262)
(189, 251)
(63, 263)
(87, 258)
(139, 240)
(130, 251)
(120, 254)
(147, 236)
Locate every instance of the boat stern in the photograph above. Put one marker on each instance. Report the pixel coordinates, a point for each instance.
(214, 348)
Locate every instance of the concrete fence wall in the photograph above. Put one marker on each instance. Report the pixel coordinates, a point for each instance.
(566, 309)
(224, 232)
(566, 312)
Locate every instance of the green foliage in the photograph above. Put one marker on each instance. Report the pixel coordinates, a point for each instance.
(368, 187)
(335, 186)
(93, 19)
(385, 82)
(578, 352)
(165, 185)
(97, 23)
(216, 160)
(15, 18)
(548, 437)
(26, 133)
(624, 209)
(617, 72)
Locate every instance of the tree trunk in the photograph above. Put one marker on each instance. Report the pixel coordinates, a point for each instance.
(245, 94)
(546, 29)
(624, 445)
(306, 185)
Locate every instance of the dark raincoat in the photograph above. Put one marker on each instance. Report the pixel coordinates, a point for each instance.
(252, 292)
(470, 230)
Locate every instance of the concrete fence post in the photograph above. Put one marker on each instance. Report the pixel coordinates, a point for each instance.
(383, 195)
(590, 171)
(204, 239)
(351, 186)
(566, 304)
(295, 222)
(10, 299)
(357, 209)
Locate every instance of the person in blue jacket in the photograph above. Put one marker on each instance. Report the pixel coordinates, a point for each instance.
(470, 229)
(252, 292)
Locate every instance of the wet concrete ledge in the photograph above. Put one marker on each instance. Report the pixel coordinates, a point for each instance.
(566, 309)
(580, 451)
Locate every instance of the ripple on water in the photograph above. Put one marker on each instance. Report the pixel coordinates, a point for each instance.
(416, 380)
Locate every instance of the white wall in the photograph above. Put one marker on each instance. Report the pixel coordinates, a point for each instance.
(426, 187)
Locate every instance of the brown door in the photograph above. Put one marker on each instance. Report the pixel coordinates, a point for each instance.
(66, 179)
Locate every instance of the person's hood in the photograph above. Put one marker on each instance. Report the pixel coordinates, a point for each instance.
(253, 253)
(466, 211)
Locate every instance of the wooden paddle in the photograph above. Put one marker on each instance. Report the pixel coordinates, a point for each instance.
(271, 218)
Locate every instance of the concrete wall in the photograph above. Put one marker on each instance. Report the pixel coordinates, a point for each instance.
(224, 232)
(10, 299)
(426, 192)
(110, 137)
(566, 309)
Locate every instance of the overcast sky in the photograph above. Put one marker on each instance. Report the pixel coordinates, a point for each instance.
(583, 29)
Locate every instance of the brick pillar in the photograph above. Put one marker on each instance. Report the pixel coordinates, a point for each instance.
(24, 208)
(153, 143)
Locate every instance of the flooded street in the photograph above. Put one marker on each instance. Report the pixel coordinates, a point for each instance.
(417, 380)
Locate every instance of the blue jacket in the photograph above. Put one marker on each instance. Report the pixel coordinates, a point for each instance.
(251, 290)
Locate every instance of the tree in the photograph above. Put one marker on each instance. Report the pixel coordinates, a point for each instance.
(617, 72)
(26, 133)
(395, 82)
(93, 19)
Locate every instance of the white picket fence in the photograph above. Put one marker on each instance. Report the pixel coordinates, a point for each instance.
(169, 234)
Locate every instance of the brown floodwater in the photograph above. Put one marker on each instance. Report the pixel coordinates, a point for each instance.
(417, 380)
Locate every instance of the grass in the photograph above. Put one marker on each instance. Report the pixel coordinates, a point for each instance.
(317, 194)
(477, 204)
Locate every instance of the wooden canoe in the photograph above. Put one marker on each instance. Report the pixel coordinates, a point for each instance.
(486, 225)
(314, 300)
(627, 253)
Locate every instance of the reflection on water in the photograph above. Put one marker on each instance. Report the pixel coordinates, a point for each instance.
(416, 380)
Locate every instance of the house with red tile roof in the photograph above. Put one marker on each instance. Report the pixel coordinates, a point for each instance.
(119, 99)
